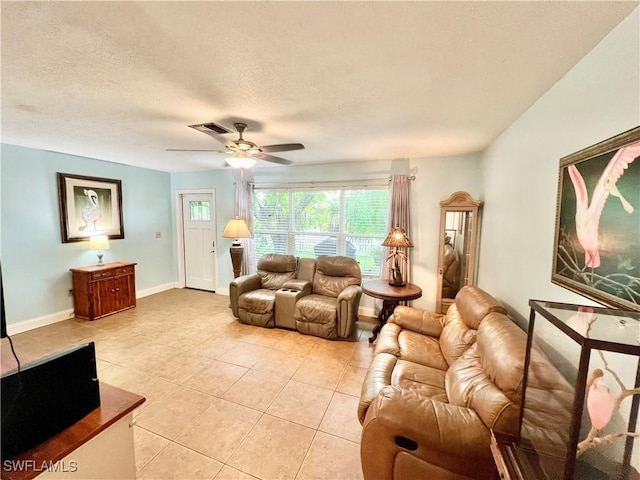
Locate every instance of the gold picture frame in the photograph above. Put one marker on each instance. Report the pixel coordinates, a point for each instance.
(596, 249)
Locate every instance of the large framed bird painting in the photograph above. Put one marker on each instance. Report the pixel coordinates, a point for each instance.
(597, 236)
(89, 206)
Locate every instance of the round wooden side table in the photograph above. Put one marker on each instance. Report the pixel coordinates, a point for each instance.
(391, 297)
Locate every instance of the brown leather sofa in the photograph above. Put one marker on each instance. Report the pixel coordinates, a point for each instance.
(435, 388)
(314, 296)
(253, 296)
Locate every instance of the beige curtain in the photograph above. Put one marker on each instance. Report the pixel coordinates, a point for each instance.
(244, 210)
(399, 217)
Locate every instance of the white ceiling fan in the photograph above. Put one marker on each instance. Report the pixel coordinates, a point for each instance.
(244, 152)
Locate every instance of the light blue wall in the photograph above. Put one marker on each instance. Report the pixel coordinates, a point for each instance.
(222, 182)
(598, 98)
(35, 262)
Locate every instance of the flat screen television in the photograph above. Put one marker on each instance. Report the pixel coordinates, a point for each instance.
(3, 333)
(44, 397)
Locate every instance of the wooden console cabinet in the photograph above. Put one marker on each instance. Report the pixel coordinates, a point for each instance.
(101, 290)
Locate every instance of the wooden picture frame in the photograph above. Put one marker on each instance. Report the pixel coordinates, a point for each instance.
(596, 250)
(89, 206)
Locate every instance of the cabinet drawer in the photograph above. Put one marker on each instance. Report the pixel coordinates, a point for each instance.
(102, 274)
(123, 270)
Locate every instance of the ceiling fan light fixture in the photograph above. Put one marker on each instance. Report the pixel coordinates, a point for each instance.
(240, 159)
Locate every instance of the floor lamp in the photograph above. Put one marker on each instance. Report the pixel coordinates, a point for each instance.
(236, 228)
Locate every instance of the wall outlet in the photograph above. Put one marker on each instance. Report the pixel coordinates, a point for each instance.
(158, 235)
(70, 293)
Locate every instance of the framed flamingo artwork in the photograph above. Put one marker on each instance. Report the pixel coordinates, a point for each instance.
(597, 236)
(89, 206)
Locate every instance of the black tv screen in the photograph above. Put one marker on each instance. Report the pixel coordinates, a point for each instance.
(47, 396)
(3, 333)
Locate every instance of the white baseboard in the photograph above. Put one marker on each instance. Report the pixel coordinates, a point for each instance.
(26, 325)
(366, 312)
(157, 289)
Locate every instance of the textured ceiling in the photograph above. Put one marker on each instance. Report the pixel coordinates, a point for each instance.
(120, 81)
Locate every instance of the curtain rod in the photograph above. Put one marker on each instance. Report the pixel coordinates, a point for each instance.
(313, 183)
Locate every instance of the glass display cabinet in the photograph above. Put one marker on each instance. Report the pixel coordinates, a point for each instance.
(581, 393)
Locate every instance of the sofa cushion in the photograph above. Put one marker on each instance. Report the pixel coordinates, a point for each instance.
(462, 320)
(488, 375)
(334, 274)
(474, 304)
(274, 270)
(256, 307)
(317, 315)
(423, 380)
(411, 346)
(258, 301)
(456, 336)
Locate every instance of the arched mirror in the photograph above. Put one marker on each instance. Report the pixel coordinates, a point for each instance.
(457, 251)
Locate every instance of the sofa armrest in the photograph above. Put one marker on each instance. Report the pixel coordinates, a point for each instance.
(350, 293)
(240, 285)
(303, 286)
(417, 320)
(432, 424)
(285, 308)
(347, 305)
(447, 441)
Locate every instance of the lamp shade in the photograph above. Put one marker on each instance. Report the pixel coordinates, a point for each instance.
(236, 228)
(397, 238)
(99, 242)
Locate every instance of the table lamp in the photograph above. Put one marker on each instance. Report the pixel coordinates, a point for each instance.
(236, 228)
(99, 243)
(396, 239)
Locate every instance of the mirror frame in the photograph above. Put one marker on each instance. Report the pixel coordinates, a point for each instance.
(458, 202)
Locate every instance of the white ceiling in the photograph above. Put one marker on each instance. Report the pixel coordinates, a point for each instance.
(120, 81)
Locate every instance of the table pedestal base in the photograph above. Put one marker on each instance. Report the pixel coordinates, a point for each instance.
(385, 312)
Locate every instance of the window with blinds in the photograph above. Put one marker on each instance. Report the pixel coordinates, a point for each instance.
(312, 222)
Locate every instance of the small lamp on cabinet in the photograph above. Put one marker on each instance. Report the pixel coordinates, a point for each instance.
(236, 228)
(99, 243)
(396, 239)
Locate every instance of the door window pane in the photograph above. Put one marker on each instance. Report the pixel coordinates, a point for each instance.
(199, 211)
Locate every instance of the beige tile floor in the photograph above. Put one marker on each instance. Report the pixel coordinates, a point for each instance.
(224, 400)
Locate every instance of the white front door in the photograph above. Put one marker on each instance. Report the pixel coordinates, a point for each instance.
(199, 233)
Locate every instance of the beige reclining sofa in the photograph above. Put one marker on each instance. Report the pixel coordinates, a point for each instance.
(435, 388)
(314, 296)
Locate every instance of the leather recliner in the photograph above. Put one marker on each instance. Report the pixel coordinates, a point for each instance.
(253, 296)
(436, 386)
(329, 308)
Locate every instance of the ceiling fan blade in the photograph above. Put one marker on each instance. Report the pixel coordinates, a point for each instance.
(283, 147)
(192, 150)
(272, 159)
